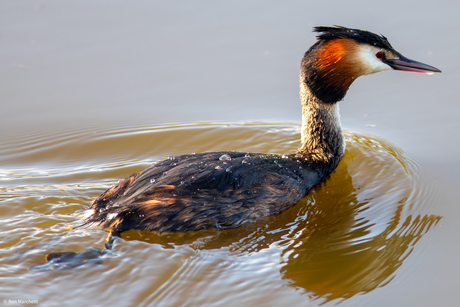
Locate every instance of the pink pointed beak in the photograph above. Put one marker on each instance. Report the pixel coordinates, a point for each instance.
(406, 64)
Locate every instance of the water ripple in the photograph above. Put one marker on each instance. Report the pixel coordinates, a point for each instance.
(349, 235)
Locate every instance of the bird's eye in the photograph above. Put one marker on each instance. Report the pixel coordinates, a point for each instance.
(379, 55)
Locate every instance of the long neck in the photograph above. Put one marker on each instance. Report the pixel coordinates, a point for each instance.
(322, 136)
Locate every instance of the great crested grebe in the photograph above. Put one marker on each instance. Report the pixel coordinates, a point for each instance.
(227, 189)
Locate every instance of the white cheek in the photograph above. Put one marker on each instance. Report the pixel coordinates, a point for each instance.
(370, 62)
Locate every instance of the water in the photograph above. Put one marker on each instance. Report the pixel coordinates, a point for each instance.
(348, 236)
(93, 92)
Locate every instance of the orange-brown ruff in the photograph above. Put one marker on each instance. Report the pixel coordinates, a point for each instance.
(227, 189)
(338, 60)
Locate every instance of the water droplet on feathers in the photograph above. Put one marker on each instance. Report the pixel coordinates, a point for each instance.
(225, 157)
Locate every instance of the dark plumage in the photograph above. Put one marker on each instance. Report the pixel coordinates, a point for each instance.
(207, 190)
(359, 36)
(227, 189)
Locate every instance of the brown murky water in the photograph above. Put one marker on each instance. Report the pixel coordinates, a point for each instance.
(93, 92)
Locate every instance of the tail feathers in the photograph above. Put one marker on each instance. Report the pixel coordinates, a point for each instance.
(103, 209)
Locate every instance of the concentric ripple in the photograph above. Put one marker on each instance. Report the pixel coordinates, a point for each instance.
(348, 236)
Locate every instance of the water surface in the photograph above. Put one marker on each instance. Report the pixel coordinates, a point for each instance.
(348, 236)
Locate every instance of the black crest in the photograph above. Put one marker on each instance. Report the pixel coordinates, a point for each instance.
(360, 36)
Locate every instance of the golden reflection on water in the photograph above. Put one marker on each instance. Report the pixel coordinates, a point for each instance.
(330, 254)
(349, 235)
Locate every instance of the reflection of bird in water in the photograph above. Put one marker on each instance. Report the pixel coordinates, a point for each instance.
(227, 189)
(334, 253)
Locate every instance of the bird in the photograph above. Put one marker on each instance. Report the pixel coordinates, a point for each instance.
(227, 189)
